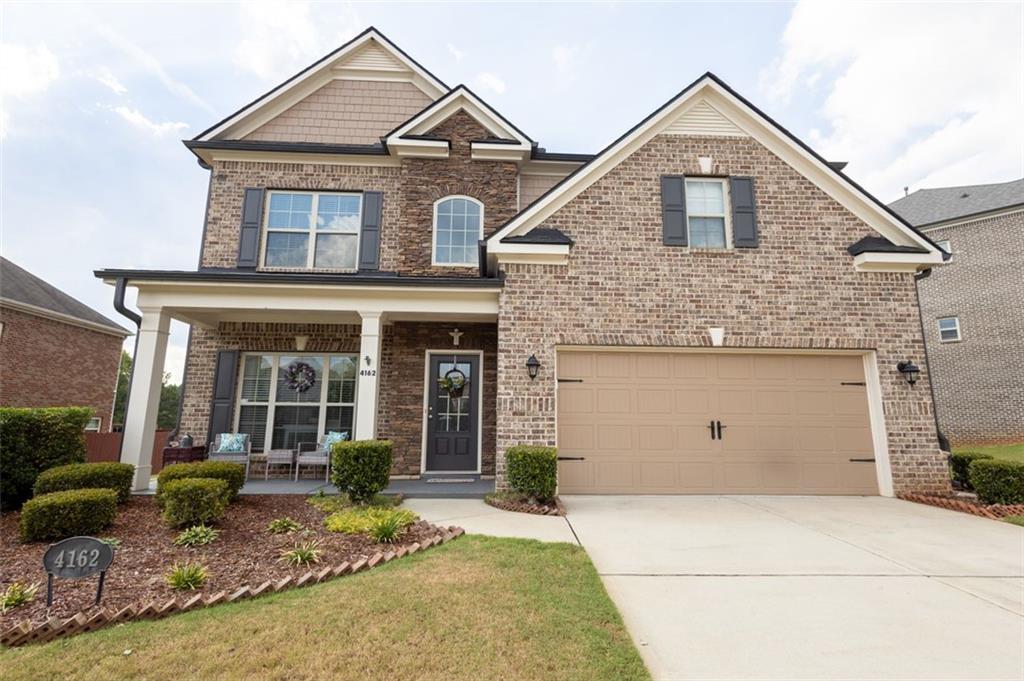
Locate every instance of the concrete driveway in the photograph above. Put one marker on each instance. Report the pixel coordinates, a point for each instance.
(809, 587)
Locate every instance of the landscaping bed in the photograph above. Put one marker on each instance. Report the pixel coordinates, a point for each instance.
(966, 503)
(245, 553)
(521, 503)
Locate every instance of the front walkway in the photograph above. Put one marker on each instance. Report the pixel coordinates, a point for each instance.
(809, 587)
(476, 517)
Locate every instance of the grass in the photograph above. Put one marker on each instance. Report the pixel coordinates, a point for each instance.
(478, 608)
(1008, 452)
(1015, 520)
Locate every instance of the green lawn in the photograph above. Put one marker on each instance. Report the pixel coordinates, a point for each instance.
(477, 608)
(1009, 452)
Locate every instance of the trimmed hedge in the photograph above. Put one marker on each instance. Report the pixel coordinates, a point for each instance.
(361, 468)
(997, 481)
(959, 462)
(533, 471)
(59, 515)
(231, 473)
(194, 501)
(107, 475)
(32, 440)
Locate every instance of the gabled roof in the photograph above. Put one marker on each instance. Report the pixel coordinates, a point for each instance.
(724, 101)
(23, 290)
(943, 204)
(369, 52)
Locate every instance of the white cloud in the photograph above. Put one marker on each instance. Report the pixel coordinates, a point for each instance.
(27, 71)
(104, 76)
(564, 57)
(456, 52)
(139, 120)
(918, 95)
(492, 82)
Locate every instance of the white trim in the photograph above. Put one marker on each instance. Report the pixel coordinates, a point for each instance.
(311, 232)
(534, 258)
(895, 262)
(210, 156)
(726, 212)
(63, 318)
(835, 185)
(879, 433)
(418, 148)
(99, 424)
(488, 151)
(956, 327)
(433, 233)
(479, 412)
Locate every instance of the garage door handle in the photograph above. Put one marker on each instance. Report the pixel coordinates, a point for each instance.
(720, 428)
(572, 458)
(862, 460)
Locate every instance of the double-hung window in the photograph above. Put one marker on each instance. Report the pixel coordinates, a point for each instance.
(706, 212)
(277, 415)
(949, 329)
(312, 230)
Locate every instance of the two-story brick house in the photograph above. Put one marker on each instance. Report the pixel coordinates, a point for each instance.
(704, 306)
(973, 308)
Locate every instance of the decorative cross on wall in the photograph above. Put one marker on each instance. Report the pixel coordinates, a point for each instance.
(456, 335)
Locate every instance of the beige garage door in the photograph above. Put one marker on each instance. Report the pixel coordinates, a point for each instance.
(647, 423)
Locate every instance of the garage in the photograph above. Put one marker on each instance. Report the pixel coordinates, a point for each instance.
(652, 422)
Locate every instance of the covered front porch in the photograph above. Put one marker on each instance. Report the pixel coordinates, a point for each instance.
(287, 360)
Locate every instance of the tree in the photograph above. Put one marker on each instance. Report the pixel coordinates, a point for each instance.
(167, 416)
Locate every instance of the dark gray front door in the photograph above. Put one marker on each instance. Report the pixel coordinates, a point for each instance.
(453, 422)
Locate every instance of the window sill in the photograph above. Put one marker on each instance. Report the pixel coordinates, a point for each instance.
(706, 251)
(311, 270)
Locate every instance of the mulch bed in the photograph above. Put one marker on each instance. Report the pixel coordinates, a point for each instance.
(508, 502)
(244, 553)
(966, 504)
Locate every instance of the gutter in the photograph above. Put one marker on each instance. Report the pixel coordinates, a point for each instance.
(119, 291)
(943, 441)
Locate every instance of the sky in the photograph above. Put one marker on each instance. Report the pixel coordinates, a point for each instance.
(96, 98)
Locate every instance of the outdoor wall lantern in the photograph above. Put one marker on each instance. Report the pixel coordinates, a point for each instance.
(532, 366)
(910, 372)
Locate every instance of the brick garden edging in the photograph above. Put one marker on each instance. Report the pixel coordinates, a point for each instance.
(81, 623)
(992, 511)
(555, 508)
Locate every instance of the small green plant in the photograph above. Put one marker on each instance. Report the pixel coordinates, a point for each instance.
(387, 529)
(194, 501)
(283, 526)
(340, 502)
(533, 471)
(103, 475)
(189, 576)
(112, 542)
(960, 462)
(302, 554)
(17, 594)
(360, 468)
(360, 519)
(66, 514)
(997, 481)
(197, 535)
(231, 473)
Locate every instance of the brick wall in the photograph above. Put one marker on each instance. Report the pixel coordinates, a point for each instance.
(978, 380)
(47, 363)
(622, 287)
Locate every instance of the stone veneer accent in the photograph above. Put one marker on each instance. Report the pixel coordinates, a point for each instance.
(622, 287)
(978, 380)
(400, 398)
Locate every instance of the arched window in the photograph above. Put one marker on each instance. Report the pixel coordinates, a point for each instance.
(458, 226)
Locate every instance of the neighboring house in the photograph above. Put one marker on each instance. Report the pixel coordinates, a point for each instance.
(973, 308)
(54, 350)
(704, 306)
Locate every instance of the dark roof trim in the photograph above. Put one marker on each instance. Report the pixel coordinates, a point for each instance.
(877, 244)
(249, 277)
(994, 212)
(772, 121)
(540, 154)
(293, 147)
(838, 165)
(494, 140)
(442, 100)
(326, 57)
(540, 235)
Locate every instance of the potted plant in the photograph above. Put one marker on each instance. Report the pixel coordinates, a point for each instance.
(453, 383)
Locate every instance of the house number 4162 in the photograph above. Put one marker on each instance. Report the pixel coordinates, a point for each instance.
(367, 372)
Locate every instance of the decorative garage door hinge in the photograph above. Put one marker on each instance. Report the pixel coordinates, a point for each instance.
(570, 380)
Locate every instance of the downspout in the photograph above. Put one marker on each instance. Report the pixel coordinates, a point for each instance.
(119, 289)
(924, 274)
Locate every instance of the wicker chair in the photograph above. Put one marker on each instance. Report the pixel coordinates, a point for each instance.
(232, 457)
(313, 454)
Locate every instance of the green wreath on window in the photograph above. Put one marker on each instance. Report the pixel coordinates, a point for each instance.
(453, 383)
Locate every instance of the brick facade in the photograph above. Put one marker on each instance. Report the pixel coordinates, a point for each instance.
(978, 379)
(799, 289)
(48, 363)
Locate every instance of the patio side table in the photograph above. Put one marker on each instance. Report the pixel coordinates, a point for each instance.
(279, 457)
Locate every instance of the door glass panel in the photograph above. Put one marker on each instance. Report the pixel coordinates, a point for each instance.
(453, 413)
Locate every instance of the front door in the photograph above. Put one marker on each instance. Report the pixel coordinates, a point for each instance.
(453, 420)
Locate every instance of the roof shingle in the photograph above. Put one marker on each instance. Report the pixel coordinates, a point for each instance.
(928, 206)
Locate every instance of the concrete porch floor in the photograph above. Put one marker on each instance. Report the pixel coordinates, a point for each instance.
(429, 487)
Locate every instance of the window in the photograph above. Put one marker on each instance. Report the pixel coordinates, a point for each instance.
(276, 416)
(944, 245)
(949, 329)
(706, 213)
(313, 230)
(458, 226)
(94, 425)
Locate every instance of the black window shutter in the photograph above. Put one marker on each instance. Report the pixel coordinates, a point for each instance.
(369, 242)
(222, 415)
(249, 235)
(673, 210)
(744, 212)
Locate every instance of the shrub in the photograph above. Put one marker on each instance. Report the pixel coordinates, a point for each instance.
(58, 515)
(186, 576)
(361, 468)
(197, 535)
(533, 471)
(32, 440)
(997, 481)
(109, 475)
(17, 594)
(231, 473)
(302, 554)
(112, 542)
(283, 526)
(387, 529)
(959, 462)
(194, 501)
(361, 519)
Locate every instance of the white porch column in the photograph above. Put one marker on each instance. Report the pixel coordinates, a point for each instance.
(144, 398)
(369, 376)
